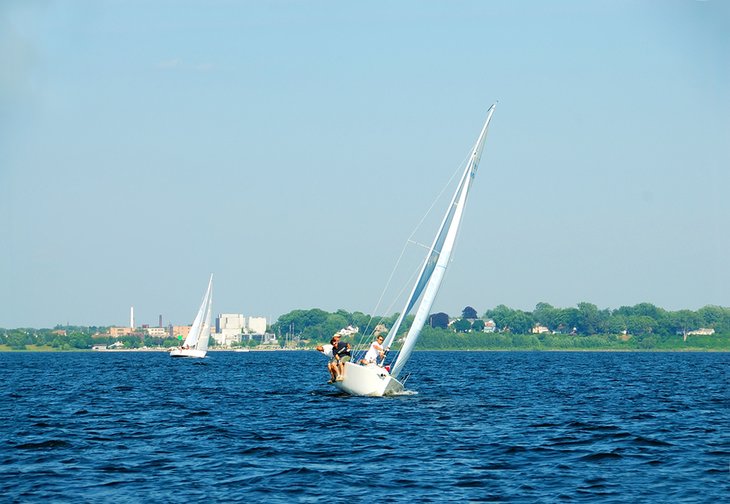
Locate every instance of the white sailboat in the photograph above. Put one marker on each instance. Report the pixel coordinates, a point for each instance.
(377, 379)
(196, 342)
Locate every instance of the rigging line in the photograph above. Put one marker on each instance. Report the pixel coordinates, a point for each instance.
(382, 295)
(458, 170)
(363, 345)
(400, 294)
(427, 247)
(423, 218)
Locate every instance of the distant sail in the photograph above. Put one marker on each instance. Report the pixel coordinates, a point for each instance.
(196, 342)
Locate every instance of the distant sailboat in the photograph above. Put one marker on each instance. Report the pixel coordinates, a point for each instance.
(196, 342)
(379, 380)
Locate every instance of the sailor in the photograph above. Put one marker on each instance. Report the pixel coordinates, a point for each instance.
(326, 350)
(341, 351)
(375, 351)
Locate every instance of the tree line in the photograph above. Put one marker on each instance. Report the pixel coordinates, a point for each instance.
(586, 319)
(76, 338)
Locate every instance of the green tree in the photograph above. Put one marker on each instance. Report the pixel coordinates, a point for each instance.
(440, 320)
(716, 317)
(17, 340)
(462, 325)
(588, 319)
(502, 316)
(683, 321)
(546, 315)
(332, 324)
(616, 324)
(297, 321)
(477, 325)
(469, 313)
(640, 324)
(521, 322)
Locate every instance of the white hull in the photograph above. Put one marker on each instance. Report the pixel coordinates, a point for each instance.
(190, 352)
(370, 380)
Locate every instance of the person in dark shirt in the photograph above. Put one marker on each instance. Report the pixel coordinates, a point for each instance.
(341, 352)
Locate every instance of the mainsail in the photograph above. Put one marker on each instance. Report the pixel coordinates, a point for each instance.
(437, 259)
(200, 330)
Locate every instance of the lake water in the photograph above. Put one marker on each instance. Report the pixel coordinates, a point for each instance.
(264, 427)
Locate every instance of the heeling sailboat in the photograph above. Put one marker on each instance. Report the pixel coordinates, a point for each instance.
(196, 342)
(376, 380)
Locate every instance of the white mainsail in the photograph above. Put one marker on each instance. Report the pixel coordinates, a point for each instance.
(204, 336)
(434, 267)
(199, 333)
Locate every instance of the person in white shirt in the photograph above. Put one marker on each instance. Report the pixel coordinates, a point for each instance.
(326, 350)
(375, 352)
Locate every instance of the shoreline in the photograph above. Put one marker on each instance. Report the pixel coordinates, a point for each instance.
(231, 350)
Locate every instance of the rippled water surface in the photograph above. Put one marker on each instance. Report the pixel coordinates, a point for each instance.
(264, 427)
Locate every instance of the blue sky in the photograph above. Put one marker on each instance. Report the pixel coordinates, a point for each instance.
(290, 148)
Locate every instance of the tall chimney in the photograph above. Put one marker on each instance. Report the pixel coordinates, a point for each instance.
(160, 321)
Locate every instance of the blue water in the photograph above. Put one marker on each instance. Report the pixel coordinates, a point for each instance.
(264, 427)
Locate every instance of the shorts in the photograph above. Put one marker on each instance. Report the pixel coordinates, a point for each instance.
(346, 358)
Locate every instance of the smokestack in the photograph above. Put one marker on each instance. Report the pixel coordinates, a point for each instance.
(160, 321)
(131, 317)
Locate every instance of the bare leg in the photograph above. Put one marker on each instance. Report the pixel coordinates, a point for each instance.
(342, 370)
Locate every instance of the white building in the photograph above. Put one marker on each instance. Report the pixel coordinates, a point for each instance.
(256, 325)
(348, 331)
(704, 331)
(157, 332)
(228, 328)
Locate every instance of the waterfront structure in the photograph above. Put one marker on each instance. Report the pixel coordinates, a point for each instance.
(228, 328)
(157, 332)
(116, 332)
(704, 331)
(256, 325)
(347, 331)
(180, 331)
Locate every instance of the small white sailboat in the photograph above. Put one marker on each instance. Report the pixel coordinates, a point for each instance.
(196, 342)
(377, 379)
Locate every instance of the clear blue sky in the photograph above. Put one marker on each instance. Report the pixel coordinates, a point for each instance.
(291, 147)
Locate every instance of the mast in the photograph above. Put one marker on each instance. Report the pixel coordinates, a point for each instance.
(434, 267)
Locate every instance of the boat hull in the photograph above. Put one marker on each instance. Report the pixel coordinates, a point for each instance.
(372, 381)
(187, 352)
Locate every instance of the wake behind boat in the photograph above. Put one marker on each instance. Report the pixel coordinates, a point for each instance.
(196, 342)
(376, 379)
